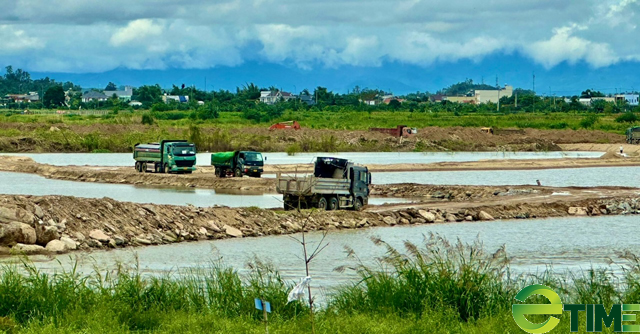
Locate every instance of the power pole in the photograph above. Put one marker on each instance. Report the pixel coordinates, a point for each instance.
(533, 103)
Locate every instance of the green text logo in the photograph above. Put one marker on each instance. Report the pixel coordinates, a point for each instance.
(596, 315)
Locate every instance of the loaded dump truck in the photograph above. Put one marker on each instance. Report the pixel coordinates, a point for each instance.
(335, 184)
(633, 135)
(167, 156)
(237, 163)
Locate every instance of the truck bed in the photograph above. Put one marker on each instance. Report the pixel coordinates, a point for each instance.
(309, 185)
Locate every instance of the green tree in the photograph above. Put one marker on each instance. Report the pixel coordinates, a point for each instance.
(54, 96)
(111, 87)
(395, 104)
(148, 95)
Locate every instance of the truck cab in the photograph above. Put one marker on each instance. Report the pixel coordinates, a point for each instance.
(238, 163)
(167, 156)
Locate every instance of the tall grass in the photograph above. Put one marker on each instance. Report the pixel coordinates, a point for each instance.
(433, 287)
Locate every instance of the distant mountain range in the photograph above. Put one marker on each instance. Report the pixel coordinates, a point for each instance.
(564, 79)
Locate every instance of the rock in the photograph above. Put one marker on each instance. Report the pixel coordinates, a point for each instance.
(203, 231)
(468, 218)
(232, 231)
(428, 216)
(577, 211)
(57, 246)
(112, 243)
(38, 212)
(404, 221)
(16, 232)
(28, 249)
(150, 209)
(595, 212)
(8, 215)
(119, 240)
(484, 216)
(405, 215)
(44, 234)
(439, 195)
(142, 241)
(71, 244)
(99, 235)
(389, 220)
(624, 206)
(363, 222)
(54, 129)
(79, 236)
(451, 218)
(213, 227)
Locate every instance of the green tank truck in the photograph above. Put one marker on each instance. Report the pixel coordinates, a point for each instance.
(633, 135)
(237, 163)
(167, 156)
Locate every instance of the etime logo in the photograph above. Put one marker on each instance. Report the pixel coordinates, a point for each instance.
(596, 314)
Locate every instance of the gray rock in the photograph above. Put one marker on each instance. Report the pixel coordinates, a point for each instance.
(8, 215)
(451, 218)
(468, 218)
(389, 220)
(38, 212)
(57, 246)
(428, 216)
(232, 231)
(71, 244)
(28, 249)
(577, 211)
(484, 216)
(16, 232)
(44, 234)
(404, 221)
(99, 235)
(112, 243)
(363, 222)
(213, 227)
(625, 207)
(142, 241)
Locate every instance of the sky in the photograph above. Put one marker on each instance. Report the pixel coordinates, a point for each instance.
(410, 45)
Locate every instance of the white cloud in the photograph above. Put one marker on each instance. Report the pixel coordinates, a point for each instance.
(308, 33)
(14, 40)
(563, 46)
(137, 31)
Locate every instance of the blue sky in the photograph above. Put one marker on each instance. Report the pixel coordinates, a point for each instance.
(401, 46)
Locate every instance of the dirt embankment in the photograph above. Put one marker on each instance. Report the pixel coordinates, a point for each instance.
(204, 177)
(60, 137)
(57, 224)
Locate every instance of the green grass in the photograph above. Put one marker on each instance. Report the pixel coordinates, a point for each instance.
(436, 287)
(119, 132)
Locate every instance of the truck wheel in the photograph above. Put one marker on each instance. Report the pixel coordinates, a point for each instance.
(157, 168)
(166, 169)
(217, 172)
(143, 167)
(357, 204)
(238, 172)
(333, 204)
(322, 203)
(137, 166)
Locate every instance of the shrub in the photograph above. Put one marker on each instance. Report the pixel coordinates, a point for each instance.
(147, 119)
(627, 117)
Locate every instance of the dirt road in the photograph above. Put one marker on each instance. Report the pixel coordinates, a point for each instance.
(57, 224)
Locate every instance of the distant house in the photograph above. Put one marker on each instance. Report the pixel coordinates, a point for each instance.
(308, 99)
(93, 96)
(124, 95)
(631, 99)
(437, 98)
(387, 100)
(178, 98)
(461, 99)
(273, 96)
(135, 104)
(25, 98)
(493, 96)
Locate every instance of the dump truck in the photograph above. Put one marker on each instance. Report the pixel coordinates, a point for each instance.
(237, 163)
(633, 135)
(399, 131)
(167, 156)
(335, 184)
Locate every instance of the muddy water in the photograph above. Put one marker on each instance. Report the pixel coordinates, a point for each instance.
(563, 177)
(31, 184)
(125, 159)
(532, 244)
